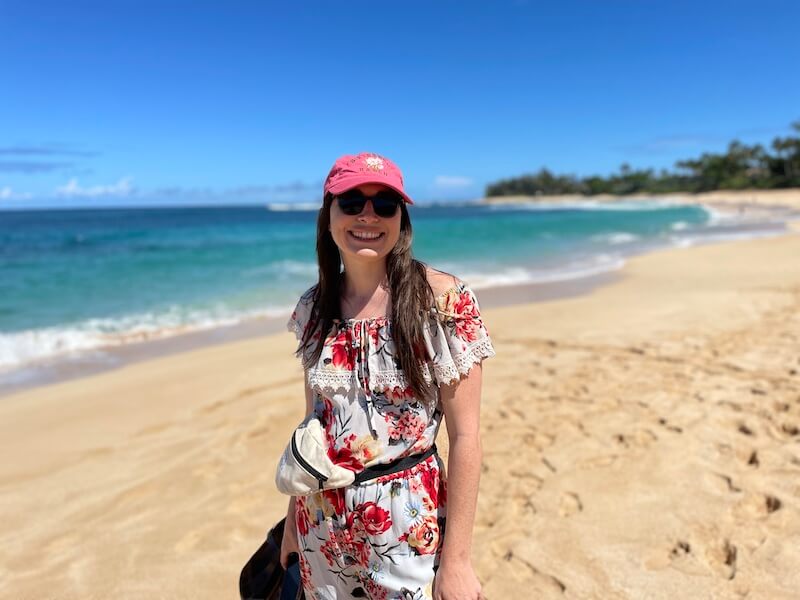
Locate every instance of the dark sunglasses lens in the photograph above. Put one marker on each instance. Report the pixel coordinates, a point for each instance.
(383, 203)
(352, 204)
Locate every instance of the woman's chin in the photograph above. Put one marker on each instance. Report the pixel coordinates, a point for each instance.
(368, 253)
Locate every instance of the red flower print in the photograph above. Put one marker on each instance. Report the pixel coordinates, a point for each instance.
(374, 519)
(327, 416)
(395, 434)
(305, 573)
(411, 425)
(468, 324)
(330, 551)
(342, 355)
(430, 480)
(398, 394)
(344, 456)
(301, 515)
(336, 499)
(423, 538)
(375, 590)
(373, 330)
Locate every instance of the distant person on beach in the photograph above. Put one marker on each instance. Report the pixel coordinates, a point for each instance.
(390, 347)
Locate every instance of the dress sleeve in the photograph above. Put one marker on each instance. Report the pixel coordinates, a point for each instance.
(300, 319)
(459, 338)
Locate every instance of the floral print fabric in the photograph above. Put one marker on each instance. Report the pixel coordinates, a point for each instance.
(381, 538)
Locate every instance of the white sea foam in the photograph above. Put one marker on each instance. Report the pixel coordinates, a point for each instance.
(24, 347)
(575, 269)
(719, 217)
(710, 237)
(284, 269)
(616, 237)
(622, 205)
(289, 206)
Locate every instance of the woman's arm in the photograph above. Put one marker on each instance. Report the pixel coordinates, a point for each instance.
(461, 402)
(290, 543)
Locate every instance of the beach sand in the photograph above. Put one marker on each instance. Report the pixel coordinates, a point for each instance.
(640, 441)
(740, 199)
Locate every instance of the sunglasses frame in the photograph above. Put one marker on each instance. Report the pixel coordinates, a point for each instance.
(384, 204)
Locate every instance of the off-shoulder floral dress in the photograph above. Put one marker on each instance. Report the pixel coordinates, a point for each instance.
(381, 539)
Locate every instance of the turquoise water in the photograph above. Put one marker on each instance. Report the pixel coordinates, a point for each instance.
(82, 279)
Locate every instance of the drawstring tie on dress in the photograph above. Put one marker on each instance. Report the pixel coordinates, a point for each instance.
(360, 347)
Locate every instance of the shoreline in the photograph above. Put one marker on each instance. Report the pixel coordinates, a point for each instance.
(87, 364)
(639, 440)
(84, 363)
(731, 199)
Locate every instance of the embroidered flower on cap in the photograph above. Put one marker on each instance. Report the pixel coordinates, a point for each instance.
(374, 163)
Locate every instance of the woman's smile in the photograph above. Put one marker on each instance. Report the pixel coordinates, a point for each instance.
(366, 236)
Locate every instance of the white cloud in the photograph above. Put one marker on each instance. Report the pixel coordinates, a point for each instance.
(452, 181)
(6, 193)
(73, 190)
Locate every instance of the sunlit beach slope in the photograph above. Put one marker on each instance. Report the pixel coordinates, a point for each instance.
(788, 198)
(642, 441)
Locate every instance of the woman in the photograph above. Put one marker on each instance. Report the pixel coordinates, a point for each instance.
(389, 348)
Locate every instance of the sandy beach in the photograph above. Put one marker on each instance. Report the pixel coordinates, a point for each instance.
(640, 441)
(744, 199)
(745, 205)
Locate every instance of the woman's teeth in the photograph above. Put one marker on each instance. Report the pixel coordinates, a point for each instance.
(365, 236)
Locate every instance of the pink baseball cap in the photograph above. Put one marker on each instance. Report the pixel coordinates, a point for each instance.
(350, 171)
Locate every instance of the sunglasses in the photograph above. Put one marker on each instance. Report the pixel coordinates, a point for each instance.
(384, 203)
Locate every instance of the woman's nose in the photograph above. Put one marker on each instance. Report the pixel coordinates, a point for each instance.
(369, 212)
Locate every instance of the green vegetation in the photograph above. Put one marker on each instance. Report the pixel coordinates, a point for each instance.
(741, 167)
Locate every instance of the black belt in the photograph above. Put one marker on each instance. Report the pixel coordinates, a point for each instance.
(401, 464)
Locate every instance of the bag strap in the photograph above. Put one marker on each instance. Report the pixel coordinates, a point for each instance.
(401, 464)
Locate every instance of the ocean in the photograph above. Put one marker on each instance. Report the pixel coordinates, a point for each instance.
(77, 281)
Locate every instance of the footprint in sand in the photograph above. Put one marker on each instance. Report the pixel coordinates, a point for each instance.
(643, 438)
(717, 556)
(721, 557)
(726, 482)
(756, 506)
(598, 461)
(569, 504)
(621, 439)
(664, 423)
(790, 429)
(680, 557)
(522, 569)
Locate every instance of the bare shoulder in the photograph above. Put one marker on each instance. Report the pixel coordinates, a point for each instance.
(440, 281)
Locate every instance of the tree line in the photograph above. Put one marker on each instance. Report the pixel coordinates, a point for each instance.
(740, 167)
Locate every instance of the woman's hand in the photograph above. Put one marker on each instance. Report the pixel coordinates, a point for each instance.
(289, 542)
(456, 582)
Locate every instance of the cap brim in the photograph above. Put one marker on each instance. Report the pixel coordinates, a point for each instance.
(343, 185)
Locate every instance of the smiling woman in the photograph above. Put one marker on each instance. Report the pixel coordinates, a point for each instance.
(356, 226)
(390, 347)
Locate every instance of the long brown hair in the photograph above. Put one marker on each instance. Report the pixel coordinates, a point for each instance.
(410, 291)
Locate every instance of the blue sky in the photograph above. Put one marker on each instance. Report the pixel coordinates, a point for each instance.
(140, 103)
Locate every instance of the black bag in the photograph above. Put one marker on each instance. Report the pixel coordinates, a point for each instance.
(263, 578)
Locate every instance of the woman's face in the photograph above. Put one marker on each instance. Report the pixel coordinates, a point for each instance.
(344, 229)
